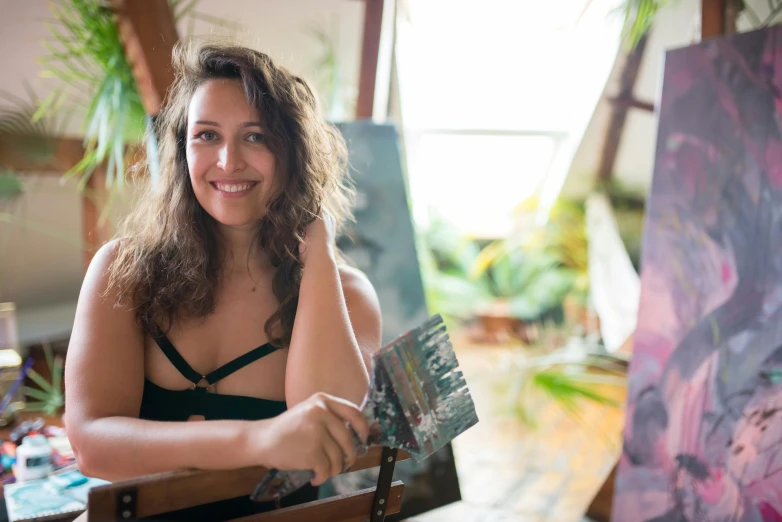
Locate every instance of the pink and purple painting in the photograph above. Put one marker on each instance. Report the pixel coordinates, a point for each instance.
(703, 438)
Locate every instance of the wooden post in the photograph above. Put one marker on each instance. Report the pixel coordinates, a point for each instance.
(94, 232)
(148, 32)
(370, 51)
(713, 20)
(616, 124)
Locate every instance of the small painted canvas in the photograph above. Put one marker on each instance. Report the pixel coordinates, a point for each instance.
(46, 499)
(703, 437)
(381, 243)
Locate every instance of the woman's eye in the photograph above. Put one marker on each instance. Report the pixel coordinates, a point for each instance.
(255, 137)
(206, 135)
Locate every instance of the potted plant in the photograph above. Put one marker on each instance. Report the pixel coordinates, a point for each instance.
(538, 272)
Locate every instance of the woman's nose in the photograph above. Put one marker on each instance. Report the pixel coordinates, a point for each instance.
(230, 159)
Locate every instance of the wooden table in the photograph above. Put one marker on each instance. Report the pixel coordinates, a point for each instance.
(5, 432)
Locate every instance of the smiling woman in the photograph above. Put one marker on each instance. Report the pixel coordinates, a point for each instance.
(235, 248)
(232, 170)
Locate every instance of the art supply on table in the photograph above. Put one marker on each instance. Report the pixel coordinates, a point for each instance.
(68, 477)
(417, 402)
(36, 500)
(33, 458)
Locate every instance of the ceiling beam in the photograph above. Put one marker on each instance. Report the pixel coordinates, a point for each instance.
(616, 124)
(41, 155)
(148, 32)
(370, 52)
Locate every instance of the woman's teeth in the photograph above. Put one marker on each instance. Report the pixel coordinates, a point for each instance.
(226, 187)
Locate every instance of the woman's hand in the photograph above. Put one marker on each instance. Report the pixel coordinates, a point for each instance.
(319, 236)
(312, 435)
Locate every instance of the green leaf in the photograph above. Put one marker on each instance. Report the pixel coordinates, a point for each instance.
(47, 351)
(37, 394)
(39, 380)
(57, 374)
(565, 389)
(37, 406)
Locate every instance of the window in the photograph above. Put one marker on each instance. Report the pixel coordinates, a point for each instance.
(495, 97)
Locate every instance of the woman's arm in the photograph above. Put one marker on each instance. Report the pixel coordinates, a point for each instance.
(104, 378)
(337, 325)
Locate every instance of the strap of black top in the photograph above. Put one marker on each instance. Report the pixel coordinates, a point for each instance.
(239, 363)
(176, 359)
(228, 368)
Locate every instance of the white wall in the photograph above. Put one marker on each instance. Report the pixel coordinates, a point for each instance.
(43, 274)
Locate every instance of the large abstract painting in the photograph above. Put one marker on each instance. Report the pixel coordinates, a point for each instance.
(703, 439)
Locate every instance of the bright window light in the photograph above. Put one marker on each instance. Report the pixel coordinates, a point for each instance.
(495, 97)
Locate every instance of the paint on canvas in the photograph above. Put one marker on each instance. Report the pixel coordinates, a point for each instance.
(703, 438)
(381, 243)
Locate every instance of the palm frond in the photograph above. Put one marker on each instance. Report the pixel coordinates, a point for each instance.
(29, 136)
(49, 395)
(638, 18)
(565, 389)
(35, 393)
(38, 379)
(86, 55)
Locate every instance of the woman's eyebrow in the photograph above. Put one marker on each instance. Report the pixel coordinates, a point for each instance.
(215, 124)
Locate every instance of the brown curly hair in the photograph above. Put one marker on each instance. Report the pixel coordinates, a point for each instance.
(168, 254)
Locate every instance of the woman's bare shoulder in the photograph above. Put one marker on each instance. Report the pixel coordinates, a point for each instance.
(354, 279)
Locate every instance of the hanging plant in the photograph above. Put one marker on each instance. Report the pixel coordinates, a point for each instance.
(87, 56)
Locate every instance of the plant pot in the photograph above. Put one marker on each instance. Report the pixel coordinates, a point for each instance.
(496, 325)
(578, 313)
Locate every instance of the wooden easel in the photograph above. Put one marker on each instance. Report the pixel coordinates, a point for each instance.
(718, 17)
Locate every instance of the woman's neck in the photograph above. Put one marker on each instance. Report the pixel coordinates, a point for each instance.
(242, 251)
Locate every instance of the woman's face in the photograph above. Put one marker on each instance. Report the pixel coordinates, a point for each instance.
(231, 168)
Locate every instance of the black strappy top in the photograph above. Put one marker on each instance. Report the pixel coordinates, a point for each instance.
(162, 404)
(178, 405)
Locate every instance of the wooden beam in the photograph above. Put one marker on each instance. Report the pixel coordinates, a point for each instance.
(370, 51)
(94, 232)
(47, 156)
(713, 20)
(54, 156)
(616, 124)
(148, 32)
(632, 103)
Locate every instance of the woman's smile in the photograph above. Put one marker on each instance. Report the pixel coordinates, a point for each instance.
(234, 188)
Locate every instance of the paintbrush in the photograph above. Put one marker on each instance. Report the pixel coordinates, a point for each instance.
(417, 402)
